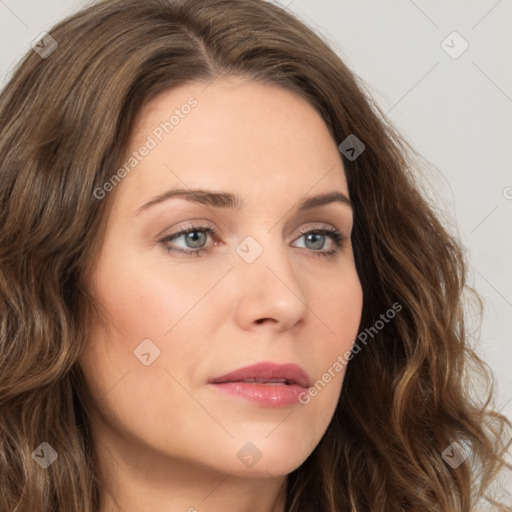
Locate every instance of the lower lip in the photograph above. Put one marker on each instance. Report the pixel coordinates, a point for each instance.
(265, 395)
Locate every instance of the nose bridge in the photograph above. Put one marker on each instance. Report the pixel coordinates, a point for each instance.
(264, 246)
(267, 283)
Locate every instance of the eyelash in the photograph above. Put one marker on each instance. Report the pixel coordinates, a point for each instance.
(337, 237)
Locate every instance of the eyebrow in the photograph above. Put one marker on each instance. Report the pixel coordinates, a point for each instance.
(234, 202)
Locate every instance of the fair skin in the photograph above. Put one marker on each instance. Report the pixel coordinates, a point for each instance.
(166, 441)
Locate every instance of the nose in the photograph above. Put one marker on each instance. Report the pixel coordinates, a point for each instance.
(268, 290)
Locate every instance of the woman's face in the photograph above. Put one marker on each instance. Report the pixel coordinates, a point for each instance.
(260, 287)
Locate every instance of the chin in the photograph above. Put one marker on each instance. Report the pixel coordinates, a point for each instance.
(262, 457)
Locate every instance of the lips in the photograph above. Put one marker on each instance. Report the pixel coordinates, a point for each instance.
(267, 384)
(267, 373)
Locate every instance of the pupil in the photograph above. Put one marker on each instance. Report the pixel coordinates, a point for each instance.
(193, 238)
(317, 246)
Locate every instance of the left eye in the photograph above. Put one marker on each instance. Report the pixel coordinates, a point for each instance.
(195, 239)
(190, 235)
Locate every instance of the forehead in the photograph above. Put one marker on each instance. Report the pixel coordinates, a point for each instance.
(232, 134)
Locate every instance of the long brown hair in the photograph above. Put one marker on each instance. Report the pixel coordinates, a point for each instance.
(65, 121)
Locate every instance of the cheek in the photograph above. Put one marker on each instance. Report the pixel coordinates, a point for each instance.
(145, 299)
(147, 296)
(339, 307)
(142, 303)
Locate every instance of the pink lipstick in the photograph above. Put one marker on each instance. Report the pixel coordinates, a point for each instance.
(266, 384)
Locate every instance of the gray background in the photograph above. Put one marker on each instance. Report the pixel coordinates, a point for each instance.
(455, 111)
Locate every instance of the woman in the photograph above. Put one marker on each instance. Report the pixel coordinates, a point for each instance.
(304, 350)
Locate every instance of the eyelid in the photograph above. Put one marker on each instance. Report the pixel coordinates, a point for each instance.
(198, 225)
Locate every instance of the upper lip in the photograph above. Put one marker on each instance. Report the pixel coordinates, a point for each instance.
(267, 371)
